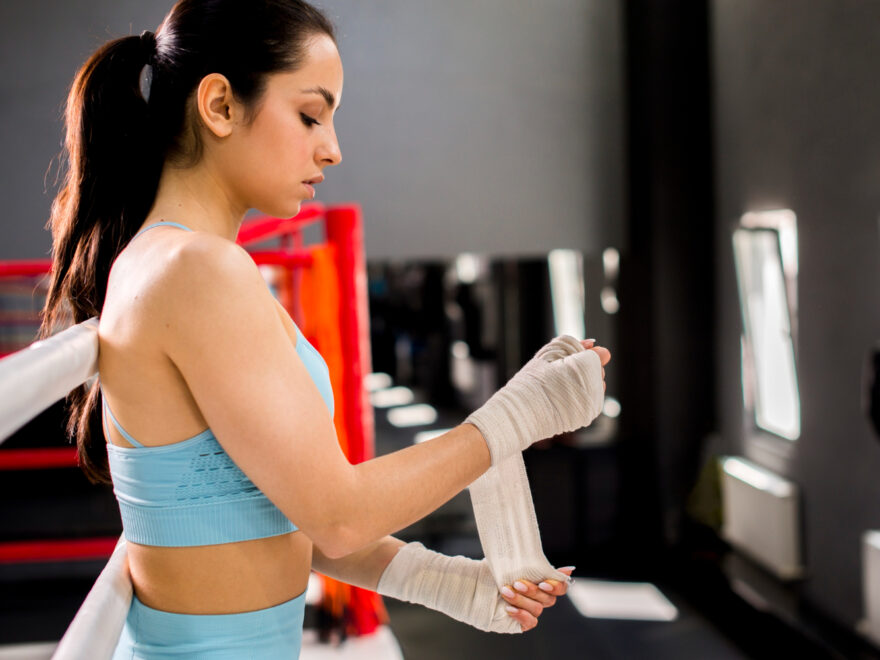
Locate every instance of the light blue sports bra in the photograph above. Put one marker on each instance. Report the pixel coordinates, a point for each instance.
(191, 492)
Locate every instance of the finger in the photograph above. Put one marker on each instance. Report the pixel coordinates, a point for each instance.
(523, 618)
(558, 588)
(561, 346)
(555, 588)
(604, 354)
(532, 605)
(535, 592)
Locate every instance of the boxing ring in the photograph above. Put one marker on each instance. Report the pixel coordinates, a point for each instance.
(323, 287)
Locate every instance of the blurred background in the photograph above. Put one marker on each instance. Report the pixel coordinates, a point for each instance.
(694, 183)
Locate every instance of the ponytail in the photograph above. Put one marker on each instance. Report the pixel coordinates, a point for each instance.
(112, 173)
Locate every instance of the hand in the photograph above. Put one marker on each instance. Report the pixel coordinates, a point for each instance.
(604, 356)
(557, 391)
(527, 601)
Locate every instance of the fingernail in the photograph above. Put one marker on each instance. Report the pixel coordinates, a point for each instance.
(519, 586)
(592, 340)
(511, 610)
(545, 586)
(565, 568)
(507, 591)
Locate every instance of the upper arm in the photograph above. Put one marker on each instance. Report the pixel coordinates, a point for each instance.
(221, 329)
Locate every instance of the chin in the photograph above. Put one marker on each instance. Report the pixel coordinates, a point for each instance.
(296, 209)
(283, 211)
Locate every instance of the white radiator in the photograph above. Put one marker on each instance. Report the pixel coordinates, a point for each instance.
(761, 516)
(870, 625)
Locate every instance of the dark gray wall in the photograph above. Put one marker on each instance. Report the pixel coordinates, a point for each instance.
(491, 126)
(42, 44)
(796, 126)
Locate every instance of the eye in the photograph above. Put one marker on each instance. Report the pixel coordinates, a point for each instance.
(309, 121)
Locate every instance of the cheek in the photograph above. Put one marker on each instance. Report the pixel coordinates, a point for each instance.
(284, 146)
(274, 160)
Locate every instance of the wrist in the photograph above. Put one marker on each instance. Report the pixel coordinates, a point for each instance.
(476, 439)
(512, 419)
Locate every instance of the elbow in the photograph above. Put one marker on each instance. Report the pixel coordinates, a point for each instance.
(341, 525)
(338, 541)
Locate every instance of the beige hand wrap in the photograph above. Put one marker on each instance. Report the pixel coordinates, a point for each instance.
(560, 389)
(461, 588)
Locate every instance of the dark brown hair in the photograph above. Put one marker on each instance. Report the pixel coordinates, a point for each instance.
(118, 138)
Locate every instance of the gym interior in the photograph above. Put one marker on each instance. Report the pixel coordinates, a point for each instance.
(695, 184)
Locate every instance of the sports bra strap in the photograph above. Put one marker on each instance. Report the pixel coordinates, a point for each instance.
(118, 426)
(159, 224)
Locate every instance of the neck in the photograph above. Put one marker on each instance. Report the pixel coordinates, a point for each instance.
(195, 197)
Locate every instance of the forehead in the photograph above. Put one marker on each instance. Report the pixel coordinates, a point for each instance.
(320, 75)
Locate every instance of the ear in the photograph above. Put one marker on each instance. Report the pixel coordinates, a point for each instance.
(217, 107)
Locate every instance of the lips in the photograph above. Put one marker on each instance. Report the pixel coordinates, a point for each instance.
(310, 184)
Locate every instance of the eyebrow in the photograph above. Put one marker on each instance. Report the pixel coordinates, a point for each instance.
(331, 100)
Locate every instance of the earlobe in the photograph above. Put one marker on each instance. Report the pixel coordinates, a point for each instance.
(215, 104)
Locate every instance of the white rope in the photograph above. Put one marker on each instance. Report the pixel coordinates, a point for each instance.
(34, 378)
(31, 380)
(95, 630)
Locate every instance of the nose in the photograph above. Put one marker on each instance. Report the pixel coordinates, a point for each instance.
(328, 152)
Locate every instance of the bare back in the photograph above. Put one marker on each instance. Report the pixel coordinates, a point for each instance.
(149, 396)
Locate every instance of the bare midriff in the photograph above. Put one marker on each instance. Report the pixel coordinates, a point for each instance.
(221, 579)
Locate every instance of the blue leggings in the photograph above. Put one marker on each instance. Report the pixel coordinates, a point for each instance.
(273, 633)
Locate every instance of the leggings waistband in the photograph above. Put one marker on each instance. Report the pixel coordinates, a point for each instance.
(273, 632)
(234, 624)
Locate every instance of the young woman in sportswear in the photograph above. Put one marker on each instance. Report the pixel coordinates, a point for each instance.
(212, 415)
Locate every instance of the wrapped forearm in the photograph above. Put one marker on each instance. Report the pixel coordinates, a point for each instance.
(461, 588)
(560, 389)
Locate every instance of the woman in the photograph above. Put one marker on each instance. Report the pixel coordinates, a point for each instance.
(213, 406)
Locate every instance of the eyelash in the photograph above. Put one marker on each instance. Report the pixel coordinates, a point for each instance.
(309, 121)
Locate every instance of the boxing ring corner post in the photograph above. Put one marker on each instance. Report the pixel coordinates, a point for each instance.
(31, 380)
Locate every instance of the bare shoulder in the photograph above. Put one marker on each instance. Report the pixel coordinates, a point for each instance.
(207, 261)
(207, 284)
(205, 269)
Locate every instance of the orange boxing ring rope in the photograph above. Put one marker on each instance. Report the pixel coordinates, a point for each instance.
(322, 286)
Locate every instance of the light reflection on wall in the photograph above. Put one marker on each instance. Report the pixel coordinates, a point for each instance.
(567, 292)
(765, 251)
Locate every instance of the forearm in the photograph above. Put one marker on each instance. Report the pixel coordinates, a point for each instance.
(393, 491)
(362, 568)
